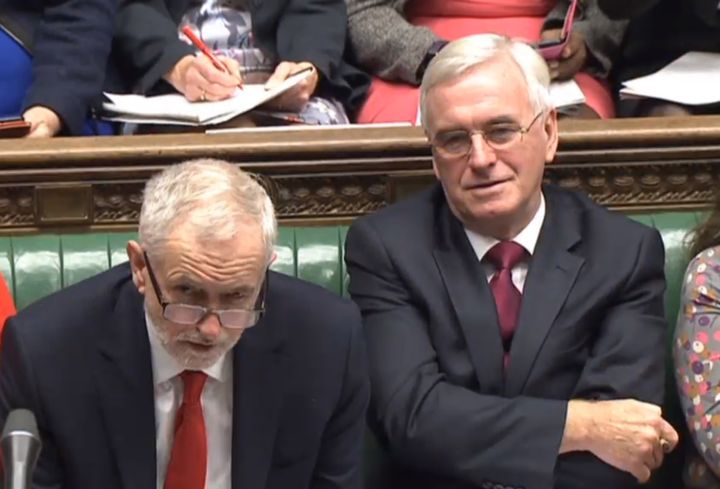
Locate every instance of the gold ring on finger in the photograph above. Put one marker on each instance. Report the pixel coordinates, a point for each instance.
(665, 445)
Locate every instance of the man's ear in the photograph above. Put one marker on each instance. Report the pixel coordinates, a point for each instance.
(137, 264)
(434, 165)
(551, 133)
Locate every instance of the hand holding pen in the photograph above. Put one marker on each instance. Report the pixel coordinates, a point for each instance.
(205, 76)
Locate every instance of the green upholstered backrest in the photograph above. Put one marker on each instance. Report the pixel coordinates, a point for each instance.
(674, 228)
(38, 265)
(35, 266)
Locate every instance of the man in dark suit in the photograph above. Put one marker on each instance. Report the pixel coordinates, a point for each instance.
(550, 374)
(193, 366)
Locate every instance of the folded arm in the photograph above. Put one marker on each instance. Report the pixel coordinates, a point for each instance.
(429, 422)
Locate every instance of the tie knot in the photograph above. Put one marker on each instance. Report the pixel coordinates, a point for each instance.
(193, 383)
(506, 254)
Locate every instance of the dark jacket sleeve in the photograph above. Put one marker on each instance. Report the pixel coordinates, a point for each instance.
(148, 43)
(339, 463)
(428, 422)
(70, 52)
(18, 389)
(620, 365)
(315, 31)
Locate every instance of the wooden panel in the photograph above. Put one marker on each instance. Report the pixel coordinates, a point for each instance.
(331, 175)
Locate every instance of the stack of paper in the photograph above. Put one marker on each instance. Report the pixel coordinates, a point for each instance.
(176, 109)
(692, 79)
(566, 94)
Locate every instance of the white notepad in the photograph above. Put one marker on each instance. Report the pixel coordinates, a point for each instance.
(692, 79)
(176, 109)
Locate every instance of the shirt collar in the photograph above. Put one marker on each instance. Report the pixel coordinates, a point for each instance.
(527, 238)
(165, 367)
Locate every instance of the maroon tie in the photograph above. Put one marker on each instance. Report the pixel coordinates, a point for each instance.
(504, 256)
(188, 459)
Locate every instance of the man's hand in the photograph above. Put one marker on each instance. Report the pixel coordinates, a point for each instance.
(294, 99)
(627, 434)
(573, 58)
(197, 78)
(44, 123)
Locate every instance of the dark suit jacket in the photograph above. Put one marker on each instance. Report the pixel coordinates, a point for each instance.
(80, 360)
(591, 326)
(70, 42)
(292, 30)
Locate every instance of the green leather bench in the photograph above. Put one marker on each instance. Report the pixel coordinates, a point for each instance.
(38, 265)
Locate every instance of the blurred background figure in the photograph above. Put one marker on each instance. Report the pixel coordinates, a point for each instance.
(395, 40)
(660, 32)
(696, 350)
(54, 56)
(257, 42)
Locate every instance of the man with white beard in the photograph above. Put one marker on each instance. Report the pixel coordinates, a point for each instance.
(192, 366)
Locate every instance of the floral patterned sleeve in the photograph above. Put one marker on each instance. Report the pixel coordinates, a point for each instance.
(697, 363)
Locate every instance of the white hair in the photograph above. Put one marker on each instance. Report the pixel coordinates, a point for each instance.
(466, 53)
(213, 196)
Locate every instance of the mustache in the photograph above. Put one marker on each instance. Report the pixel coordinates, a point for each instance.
(200, 339)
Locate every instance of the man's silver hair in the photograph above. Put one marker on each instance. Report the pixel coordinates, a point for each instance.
(215, 197)
(466, 53)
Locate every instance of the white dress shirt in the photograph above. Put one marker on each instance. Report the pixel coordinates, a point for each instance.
(217, 402)
(527, 238)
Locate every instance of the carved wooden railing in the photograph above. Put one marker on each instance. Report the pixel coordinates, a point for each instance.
(336, 174)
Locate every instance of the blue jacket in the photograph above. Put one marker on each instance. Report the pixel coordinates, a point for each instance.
(70, 43)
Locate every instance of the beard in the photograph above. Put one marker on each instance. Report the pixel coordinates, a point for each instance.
(191, 349)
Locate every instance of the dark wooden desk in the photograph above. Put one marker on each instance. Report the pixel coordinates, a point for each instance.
(335, 174)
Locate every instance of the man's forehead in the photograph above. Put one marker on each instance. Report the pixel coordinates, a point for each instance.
(498, 84)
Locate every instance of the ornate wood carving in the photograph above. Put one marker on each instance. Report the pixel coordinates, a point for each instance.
(337, 174)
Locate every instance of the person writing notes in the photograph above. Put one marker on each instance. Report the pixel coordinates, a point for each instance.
(257, 42)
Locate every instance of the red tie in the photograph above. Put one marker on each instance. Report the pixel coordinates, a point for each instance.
(505, 255)
(188, 460)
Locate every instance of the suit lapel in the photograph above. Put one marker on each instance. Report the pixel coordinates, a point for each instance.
(553, 271)
(258, 366)
(124, 377)
(471, 298)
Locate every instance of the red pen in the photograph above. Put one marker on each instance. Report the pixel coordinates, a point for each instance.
(198, 43)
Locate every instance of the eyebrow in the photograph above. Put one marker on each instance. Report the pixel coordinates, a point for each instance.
(498, 120)
(196, 286)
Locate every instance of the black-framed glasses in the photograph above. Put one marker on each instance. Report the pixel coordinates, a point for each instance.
(458, 143)
(192, 314)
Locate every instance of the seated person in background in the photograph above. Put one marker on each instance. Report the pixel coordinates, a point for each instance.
(660, 32)
(258, 41)
(395, 39)
(697, 349)
(115, 367)
(515, 331)
(53, 63)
